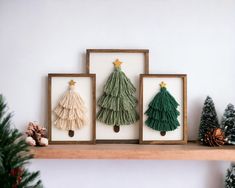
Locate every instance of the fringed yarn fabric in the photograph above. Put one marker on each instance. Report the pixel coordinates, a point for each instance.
(118, 103)
(162, 112)
(70, 111)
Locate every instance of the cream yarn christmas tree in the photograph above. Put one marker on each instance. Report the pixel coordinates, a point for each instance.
(70, 111)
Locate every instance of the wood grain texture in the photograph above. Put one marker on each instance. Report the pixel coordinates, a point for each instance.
(118, 50)
(144, 51)
(190, 151)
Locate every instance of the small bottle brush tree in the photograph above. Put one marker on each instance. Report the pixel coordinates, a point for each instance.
(70, 111)
(228, 124)
(209, 119)
(14, 155)
(162, 112)
(118, 103)
(230, 177)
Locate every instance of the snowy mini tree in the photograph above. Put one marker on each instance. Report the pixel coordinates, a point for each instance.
(230, 177)
(162, 112)
(228, 124)
(70, 111)
(209, 119)
(118, 103)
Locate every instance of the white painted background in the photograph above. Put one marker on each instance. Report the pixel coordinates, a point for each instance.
(196, 37)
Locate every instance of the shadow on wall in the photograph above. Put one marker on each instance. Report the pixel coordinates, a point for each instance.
(43, 112)
(215, 169)
(196, 108)
(84, 66)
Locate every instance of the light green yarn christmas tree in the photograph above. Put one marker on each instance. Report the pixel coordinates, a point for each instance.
(162, 112)
(118, 103)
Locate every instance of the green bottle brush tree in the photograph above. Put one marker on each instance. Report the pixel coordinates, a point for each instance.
(230, 177)
(209, 120)
(162, 112)
(228, 124)
(118, 103)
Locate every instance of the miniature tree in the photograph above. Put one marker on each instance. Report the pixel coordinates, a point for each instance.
(14, 155)
(70, 111)
(230, 177)
(228, 124)
(118, 103)
(209, 119)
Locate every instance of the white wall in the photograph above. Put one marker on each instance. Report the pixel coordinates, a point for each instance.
(196, 37)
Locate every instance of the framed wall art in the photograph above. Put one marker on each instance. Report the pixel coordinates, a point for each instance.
(163, 109)
(117, 87)
(71, 108)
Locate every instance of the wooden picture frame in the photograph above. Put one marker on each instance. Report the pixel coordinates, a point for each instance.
(100, 62)
(57, 86)
(177, 87)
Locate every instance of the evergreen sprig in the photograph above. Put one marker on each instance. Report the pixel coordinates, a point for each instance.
(14, 155)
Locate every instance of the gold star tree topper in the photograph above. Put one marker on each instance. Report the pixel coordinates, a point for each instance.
(72, 83)
(162, 85)
(117, 63)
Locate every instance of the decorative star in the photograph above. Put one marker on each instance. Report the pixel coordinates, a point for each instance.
(163, 85)
(117, 63)
(72, 83)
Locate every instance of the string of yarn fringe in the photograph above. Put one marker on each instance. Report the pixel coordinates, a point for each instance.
(118, 103)
(70, 111)
(162, 112)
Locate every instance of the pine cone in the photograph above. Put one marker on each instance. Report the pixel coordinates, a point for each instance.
(215, 137)
(36, 132)
(30, 129)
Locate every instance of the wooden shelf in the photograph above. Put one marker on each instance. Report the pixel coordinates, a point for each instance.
(191, 151)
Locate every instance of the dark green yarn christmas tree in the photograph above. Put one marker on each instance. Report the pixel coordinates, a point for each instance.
(162, 112)
(118, 103)
(209, 119)
(14, 155)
